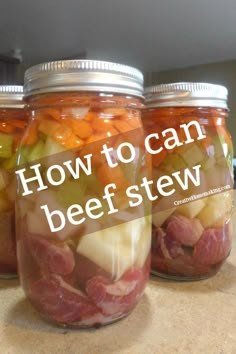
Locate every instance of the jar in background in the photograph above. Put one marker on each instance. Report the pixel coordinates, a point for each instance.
(12, 124)
(89, 266)
(192, 155)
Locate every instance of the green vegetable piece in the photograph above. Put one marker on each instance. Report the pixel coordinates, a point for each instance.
(51, 147)
(37, 151)
(218, 141)
(23, 153)
(223, 151)
(9, 163)
(4, 179)
(6, 142)
(71, 192)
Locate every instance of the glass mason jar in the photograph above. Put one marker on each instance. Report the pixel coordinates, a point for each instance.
(84, 253)
(12, 124)
(193, 179)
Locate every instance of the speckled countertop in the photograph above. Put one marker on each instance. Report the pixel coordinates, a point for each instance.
(183, 318)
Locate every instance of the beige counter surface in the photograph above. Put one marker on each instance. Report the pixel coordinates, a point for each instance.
(185, 318)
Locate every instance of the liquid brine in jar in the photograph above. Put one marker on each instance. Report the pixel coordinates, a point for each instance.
(192, 178)
(84, 253)
(12, 124)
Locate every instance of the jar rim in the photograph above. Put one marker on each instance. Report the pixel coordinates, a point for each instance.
(83, 75)
(186, 94)
(11, 96)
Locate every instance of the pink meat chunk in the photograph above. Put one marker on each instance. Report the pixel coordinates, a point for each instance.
(167, 246)
(173, 246)
(157, 234)
(57, 258)
(8, 243)
(115, 298)
(186, 231)
(53, 297)
(213, 247)
(159, 264)
(85, 269)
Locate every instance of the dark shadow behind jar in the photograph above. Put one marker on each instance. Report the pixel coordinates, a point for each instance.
(92, 271)
(12, 124)
(191, 227)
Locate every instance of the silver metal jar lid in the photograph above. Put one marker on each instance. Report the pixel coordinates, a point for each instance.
(83, 75)
(186, 94)
(11, 96)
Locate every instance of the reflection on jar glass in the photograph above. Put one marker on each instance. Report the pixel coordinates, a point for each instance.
(83, 253)
(12, 123)
(191, 147)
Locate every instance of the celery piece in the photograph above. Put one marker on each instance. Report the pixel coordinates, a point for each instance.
(36, 152)
(56, 154)
(4, 179)
(71, 192)
(9, 163)
(223, 150)
(51, 147)
(6, 142)
(22, 155)
(218, 141)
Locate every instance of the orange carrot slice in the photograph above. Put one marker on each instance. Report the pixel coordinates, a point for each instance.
(48, 127)
(108, 175)
(96, 138)
(73, 142)
(115, 112)
(21, 124)
(90, 116)
(135, 122)
(94, 146)
(31, 134)
(52, 112)
(122, 126)
(6, 128)
(158, 158)
(80, 127)
(64, 136)
(104, 125)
